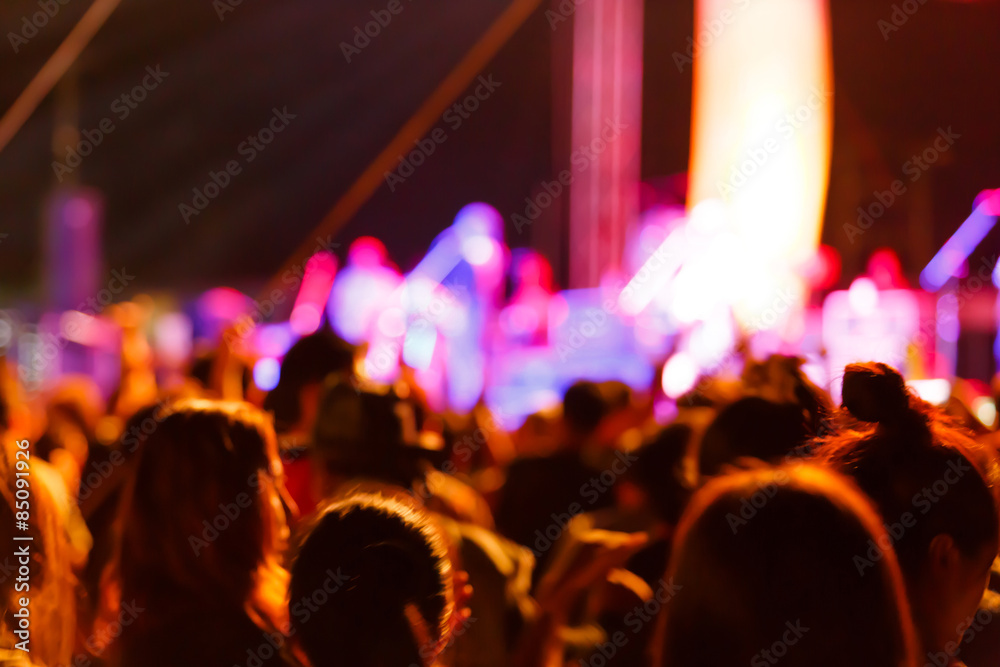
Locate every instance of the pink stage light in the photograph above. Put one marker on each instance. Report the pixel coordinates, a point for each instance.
(367, 252)
(274, 340)
(223, 303)
(307, 314)
(822, 271)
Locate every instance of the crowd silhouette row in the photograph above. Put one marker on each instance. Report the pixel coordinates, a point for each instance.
(337, 522)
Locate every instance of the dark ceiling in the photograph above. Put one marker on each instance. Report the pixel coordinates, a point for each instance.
(941, 69)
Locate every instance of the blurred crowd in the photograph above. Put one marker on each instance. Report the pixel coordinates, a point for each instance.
(334, 521)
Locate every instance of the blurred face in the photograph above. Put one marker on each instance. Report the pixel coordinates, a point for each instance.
(971, 584)
(950, 596)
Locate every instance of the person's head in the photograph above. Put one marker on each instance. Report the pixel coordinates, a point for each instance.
(935, 488)
(308, 362)
(203, 521)
(659, 472)
(358, 434)
(72, 412)
(765, 566)
(388, 579)
(584, 406)
(752, 427)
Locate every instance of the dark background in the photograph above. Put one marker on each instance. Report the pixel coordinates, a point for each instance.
(942, 68)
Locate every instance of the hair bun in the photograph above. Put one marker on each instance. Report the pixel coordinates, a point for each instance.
(875, 392)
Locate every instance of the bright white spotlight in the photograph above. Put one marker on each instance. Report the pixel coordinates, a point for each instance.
(679, 375)
(863, 296)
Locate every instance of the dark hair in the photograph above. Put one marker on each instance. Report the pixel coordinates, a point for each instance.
(898, 449)
(752, 427)
(309, 361)
(658, 471)
(584, 407)
(379, 560)
(782, 569)
(198, 528)
(358, 433)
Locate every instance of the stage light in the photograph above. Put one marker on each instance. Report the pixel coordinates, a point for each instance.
(367, 252)
(392, 322)
(307, 314)
(172, 337)
(266, 373)
(863, 296)
(305, 319)
(223, 303)
(761, 135)
(679, 375)
(822, 270)
(935, 391)
(76, 327)
(558, 311)
(655, 273)
(274, 340)
(478, 250)
(79, 212)
(985, 410)
(962, 243)
(419, 344)
(478, 218)
(707, 218)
